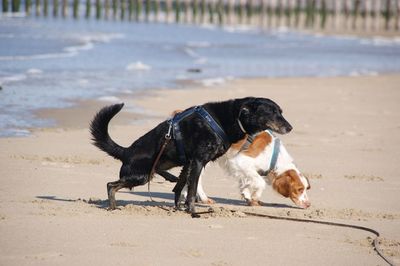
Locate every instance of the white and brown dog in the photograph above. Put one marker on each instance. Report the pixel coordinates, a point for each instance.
(258, 160)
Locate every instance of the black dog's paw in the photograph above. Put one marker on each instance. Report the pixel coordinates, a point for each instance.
(113, 208)
(195, 215)
(180, 206)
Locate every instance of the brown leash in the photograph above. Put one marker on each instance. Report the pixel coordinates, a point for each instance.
(153, 168)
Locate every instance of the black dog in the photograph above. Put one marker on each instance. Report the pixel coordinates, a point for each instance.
(201, 143)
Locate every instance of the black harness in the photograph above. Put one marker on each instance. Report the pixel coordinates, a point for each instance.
(177, 134)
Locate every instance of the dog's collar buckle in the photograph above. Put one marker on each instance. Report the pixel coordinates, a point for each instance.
(168, 135)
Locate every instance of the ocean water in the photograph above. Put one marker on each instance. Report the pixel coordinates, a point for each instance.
(49, 63)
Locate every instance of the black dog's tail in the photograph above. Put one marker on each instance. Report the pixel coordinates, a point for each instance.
(99, 131)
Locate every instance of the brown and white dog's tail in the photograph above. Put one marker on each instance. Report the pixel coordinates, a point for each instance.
(99, 131)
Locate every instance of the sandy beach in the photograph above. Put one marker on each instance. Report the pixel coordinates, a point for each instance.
(346, 138)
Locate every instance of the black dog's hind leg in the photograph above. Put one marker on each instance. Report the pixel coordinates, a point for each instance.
(113, 187)
(168, 176)
(123, 182)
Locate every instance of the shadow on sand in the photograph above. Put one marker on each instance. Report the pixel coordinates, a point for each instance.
(167, 200)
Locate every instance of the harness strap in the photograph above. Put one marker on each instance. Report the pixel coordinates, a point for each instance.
(178, 142)
(213, 124)
(177, 134)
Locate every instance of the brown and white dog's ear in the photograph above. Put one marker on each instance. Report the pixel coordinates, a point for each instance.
(282, 183)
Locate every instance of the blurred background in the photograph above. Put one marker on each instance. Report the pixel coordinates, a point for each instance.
(55, 52)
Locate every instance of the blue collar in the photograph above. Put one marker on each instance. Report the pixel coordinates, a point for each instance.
(275, 153)
(177, 135)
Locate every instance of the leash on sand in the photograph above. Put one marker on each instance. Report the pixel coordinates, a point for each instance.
(375, 242)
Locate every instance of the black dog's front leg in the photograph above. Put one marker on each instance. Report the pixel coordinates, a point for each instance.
(195, 168)
(183, 176)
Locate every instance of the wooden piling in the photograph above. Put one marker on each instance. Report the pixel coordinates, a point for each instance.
(310, 13)
(176, 7)
(122, 10)
(240, 12)
(228, 11)
(210, 9)
(28, 6)
(323, 14)
(156, 8)
(75, 9)
(138, 9)
(88, 9)
(203, 6)
(147, 10)
(55, 8)
(15, 5)
(387, 14)
(5, 6)
(64, 8)
(168, 10)
(397, 20)
(195, 10)
(98, 9)
(114, 4)
(45, 7)
(297, 12)
(37, 7)
(220, 12)
(279, 13)
(269, 12)
(248, 6)
(130, 9)
(184, 11)
(366, 14)
(288, 11)
(355, 13)
(106, 9)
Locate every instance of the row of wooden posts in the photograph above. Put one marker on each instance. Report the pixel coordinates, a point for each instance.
(315, 14)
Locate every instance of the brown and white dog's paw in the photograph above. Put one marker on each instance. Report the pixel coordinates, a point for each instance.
(207, 201)
(254, 203)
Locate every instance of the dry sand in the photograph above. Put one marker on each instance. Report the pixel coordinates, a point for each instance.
(346, 138)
